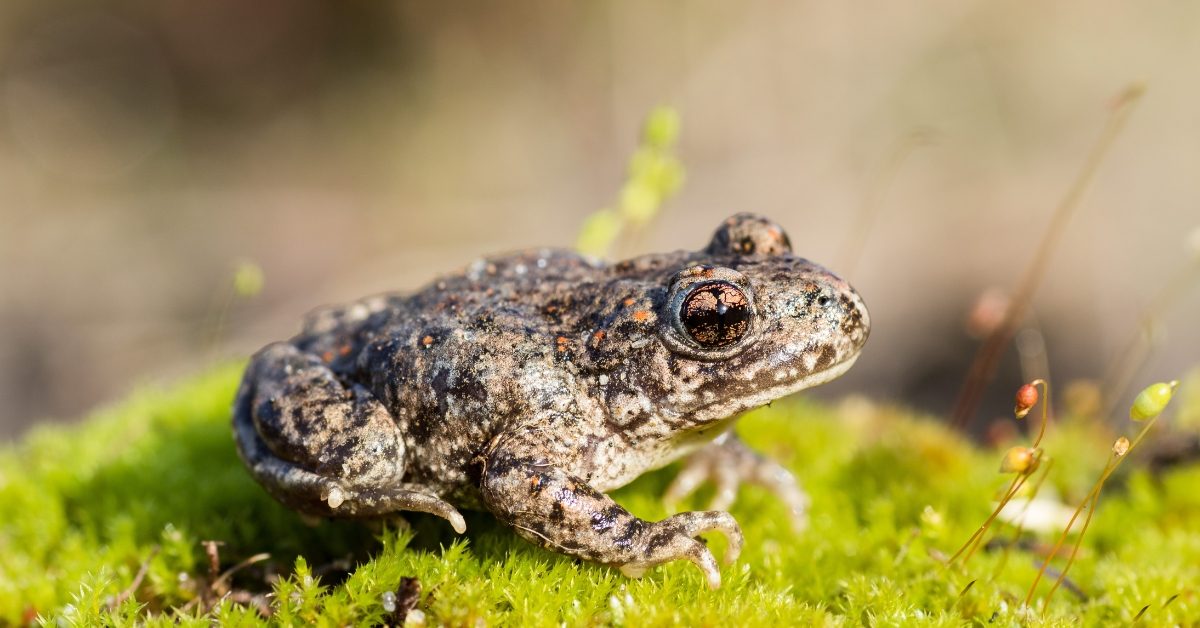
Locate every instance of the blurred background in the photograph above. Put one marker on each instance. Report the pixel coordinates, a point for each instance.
(147, 148)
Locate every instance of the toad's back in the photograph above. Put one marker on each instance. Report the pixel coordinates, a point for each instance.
(458, 360)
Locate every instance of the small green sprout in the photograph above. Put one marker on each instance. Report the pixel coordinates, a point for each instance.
(247, 282)
(248, 279)
(599, 231)
(662, 128)
(655, 174)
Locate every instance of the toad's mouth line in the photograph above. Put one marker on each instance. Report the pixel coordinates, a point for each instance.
(721, 409)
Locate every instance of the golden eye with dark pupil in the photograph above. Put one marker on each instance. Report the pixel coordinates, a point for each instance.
(715, 314)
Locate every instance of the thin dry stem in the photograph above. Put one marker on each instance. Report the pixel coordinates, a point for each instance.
(869, 211)
(984, 364)
(221, 582)
(1137, 349)
(137, 580)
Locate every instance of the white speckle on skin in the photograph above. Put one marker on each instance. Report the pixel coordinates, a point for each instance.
(336, 498)
(603, 380)
(810, 361)
(520, 269)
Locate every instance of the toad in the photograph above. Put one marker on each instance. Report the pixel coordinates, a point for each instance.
(528, 385)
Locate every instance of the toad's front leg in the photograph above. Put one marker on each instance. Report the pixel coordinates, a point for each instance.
(729, 463)
(559, 511)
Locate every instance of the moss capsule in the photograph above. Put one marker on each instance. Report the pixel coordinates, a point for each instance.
(1019, 459)
(1027, 397)
(1152, 400)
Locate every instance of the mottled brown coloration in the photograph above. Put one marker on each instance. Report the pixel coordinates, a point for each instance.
(530, 384)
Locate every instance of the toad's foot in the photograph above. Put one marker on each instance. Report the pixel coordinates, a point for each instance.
(316, 496)
(562, 512)
(342, 500)
(728, 462)
(322, 447)
(674, 538)
(370, 502)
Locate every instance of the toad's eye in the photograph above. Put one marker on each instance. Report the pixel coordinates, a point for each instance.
(715, 314)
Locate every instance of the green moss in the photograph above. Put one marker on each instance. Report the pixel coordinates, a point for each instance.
(83, 506)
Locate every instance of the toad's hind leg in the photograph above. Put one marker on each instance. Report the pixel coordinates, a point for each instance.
(320, 446)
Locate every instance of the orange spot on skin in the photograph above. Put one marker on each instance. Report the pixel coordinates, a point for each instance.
(628, 301)
(597, 337)
(535, 482)
(641, 316)
(327, 356)
(344, 350)
(561, 341)
(427, 340)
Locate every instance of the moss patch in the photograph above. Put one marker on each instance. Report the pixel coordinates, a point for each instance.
(82, 508)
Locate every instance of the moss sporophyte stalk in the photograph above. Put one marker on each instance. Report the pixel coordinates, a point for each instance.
(1147, 407)
(1024, 461)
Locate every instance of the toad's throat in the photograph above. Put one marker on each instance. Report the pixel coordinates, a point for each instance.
(725, 408)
